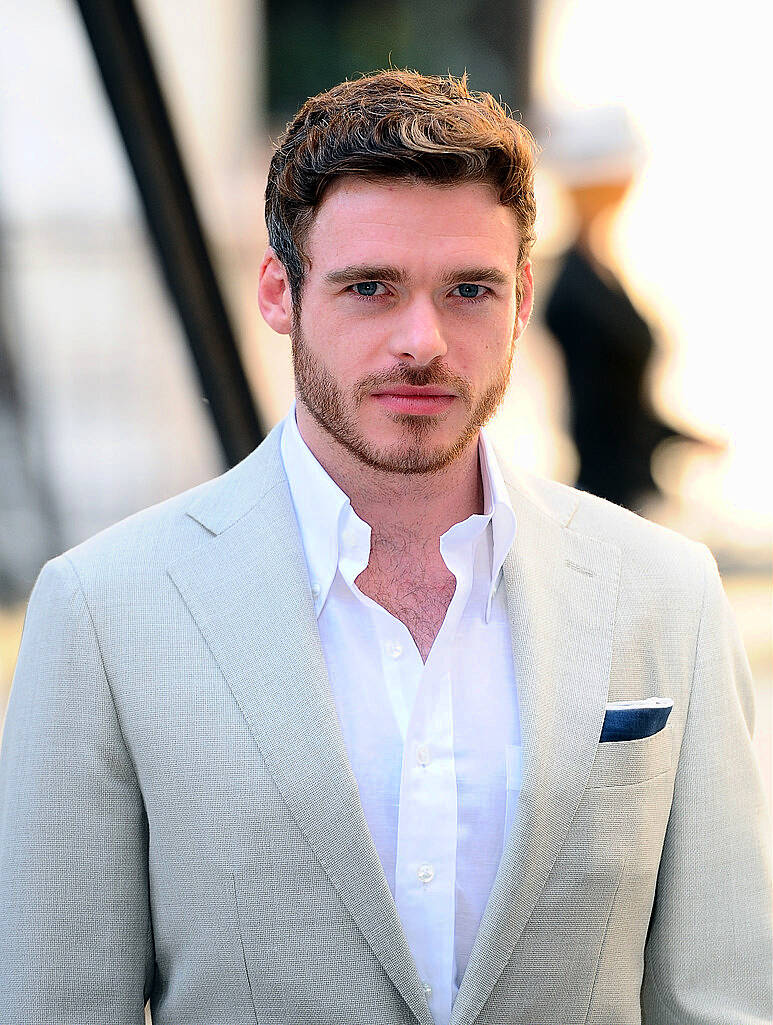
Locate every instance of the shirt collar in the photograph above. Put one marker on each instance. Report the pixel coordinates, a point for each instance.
(498, 507)
(325, 514)
(323, 511)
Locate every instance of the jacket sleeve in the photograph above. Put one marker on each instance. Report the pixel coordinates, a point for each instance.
(708, 954)
(75, 933)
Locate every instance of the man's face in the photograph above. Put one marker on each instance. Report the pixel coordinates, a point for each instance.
(404, 337)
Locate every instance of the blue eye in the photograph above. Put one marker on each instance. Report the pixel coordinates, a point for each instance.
(366, 288)
(467, 291)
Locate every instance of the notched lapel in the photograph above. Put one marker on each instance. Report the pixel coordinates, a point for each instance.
(247, 589)
(562, 592)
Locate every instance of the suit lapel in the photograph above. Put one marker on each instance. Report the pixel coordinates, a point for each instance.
(562, 594)
(247, 588)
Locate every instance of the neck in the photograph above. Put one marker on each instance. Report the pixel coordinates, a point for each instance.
(421, 506)
(594, 239)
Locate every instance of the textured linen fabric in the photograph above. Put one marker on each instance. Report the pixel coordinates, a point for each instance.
(434, 747)
(179, 819)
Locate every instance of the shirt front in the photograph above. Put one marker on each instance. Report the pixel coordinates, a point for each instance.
(435, 746)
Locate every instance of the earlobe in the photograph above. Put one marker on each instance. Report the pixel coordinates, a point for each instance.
(274, 299)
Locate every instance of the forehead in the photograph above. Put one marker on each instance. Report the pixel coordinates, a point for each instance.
(412, 224)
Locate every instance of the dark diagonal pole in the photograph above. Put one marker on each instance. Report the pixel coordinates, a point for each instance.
(130, 80)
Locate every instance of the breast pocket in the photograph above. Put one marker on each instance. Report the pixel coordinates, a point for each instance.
(621, 763)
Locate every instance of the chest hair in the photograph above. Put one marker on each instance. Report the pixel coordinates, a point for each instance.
(415, 587)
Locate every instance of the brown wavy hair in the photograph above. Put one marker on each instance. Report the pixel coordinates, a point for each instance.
(399, 125)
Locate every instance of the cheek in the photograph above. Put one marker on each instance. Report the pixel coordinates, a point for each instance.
(489, 333)
(481, 351)
(340, 355)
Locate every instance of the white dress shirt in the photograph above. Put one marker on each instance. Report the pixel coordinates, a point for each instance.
(435, 747)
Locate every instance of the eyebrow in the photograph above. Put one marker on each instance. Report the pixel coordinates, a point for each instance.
(396, 276)
(366, 272)
(486, 275)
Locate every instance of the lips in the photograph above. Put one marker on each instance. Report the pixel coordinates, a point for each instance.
(414, 401)
(429, 391)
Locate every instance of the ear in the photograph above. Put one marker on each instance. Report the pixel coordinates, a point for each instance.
(526, 282)
(274, 297)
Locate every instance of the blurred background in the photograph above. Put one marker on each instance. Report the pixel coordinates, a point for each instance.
(134, 140)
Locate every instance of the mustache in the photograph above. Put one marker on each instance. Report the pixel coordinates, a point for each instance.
(416, 377)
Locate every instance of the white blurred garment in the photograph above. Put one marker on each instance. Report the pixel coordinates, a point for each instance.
(435, 747)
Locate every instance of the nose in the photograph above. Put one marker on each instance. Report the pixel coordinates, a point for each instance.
(418, 336)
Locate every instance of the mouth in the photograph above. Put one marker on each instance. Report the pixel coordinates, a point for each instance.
(424, 401)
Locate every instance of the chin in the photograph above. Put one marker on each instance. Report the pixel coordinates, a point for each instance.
(409, 455)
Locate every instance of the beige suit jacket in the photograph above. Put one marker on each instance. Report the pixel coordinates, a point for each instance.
(180, 822)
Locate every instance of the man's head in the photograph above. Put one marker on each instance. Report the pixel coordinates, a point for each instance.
(395, 125)
(400, 211)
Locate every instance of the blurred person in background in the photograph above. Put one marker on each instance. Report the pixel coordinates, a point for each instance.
(607, 345)
(374, 728)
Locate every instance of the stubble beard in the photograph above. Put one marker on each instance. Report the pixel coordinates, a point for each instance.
(335, 412)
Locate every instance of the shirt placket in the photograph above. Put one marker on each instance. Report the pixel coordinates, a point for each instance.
(425, 872)
(425, 869)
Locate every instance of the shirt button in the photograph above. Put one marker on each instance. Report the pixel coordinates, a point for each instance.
(427, 989)
(315, 590)
(393, 649)
(422, 754)
(426, 873)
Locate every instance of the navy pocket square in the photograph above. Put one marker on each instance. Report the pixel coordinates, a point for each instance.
(634, 720)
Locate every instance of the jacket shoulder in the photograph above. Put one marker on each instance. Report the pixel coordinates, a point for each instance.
(648, 550)
(150, 540)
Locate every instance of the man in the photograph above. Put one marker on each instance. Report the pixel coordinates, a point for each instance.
(371, 729)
